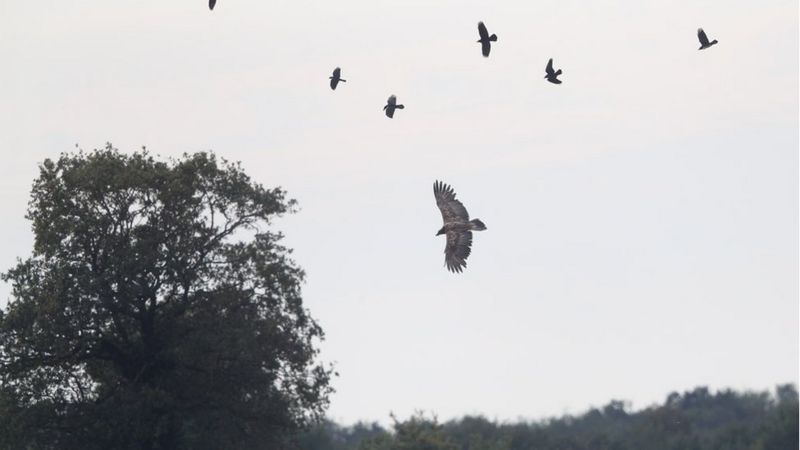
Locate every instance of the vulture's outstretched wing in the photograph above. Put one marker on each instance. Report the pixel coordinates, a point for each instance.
(452, 209)
(549, 68)
(457, 250)
(392, 100)
(702, 36)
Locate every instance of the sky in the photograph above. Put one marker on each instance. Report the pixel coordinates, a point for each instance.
(642, 216)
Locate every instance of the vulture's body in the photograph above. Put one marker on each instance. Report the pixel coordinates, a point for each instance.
(456, 227)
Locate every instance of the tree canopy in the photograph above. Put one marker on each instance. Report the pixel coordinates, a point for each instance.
(157, 310)
(697, 419)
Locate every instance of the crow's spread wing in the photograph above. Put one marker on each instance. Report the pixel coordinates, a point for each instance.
(549, 68)
(482, 32)
(486, 47)
(702, 36)
(452, 209)
(457, 250)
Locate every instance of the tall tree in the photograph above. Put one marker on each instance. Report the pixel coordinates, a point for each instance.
(158, 310)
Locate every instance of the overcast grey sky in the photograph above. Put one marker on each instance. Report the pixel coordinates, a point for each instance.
(642, 216)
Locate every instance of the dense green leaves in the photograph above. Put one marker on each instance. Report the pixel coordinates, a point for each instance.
(157, 311)
(694, 420)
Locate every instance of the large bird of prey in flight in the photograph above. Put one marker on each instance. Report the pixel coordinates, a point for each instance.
(485, 39)
(457, 227)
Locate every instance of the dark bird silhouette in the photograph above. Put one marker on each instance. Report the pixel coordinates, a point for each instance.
(211, 4)
(485, 40)
(457, 227)
(701, 35)
(336, 78)
(551, 75)
(391, 105)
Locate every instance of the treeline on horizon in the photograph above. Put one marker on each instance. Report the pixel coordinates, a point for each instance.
(694, 420)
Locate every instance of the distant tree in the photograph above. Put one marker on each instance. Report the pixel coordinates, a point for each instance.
(416, 433)
(327, 435)
(781, 432)
(786, 394)
(158, 311)
(476, 432)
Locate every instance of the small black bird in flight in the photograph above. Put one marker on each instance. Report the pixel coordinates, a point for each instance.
(485, 40)
(336, 78)
(701, 35)
(391, 105)
(211, 4)
(551, 75)
(457, 227)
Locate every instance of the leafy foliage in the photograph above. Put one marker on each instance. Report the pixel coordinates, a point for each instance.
(416, 433)
(157, 311)
(695, 420)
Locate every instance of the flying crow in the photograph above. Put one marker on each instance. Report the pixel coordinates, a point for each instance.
(391, 105)
(551, 75)
(485, 40)
(701, 35)
(336, 78)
